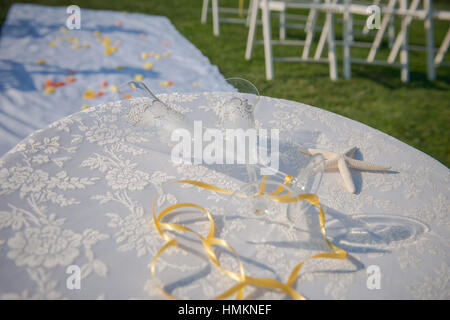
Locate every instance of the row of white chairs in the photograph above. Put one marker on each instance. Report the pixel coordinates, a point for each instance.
(341, 11)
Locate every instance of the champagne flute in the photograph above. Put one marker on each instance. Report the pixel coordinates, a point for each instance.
(148, 116)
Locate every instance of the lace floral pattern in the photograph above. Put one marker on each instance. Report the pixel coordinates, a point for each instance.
(80, 192)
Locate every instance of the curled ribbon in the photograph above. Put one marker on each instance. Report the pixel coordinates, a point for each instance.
(210, 241)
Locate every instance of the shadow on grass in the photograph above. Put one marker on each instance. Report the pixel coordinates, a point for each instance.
(389, 77)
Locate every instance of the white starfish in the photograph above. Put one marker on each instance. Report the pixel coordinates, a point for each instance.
(344, 161)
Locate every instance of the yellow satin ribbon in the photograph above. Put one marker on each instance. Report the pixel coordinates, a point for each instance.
(210, 241)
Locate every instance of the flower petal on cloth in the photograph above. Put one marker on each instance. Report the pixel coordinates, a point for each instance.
(89, 94)
(166, 83)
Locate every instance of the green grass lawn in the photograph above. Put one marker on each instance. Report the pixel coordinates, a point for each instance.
(417, 113)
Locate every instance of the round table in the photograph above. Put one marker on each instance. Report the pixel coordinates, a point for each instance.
(75, 199)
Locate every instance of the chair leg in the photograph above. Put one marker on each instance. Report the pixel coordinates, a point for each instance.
(204, 11)
(380, 33)
(442, 49)
(267, 39)
(251, 31)
(347, 29)
(431, 70)
(310, 25)
(322, 39)
(250, 6)
(399, 40)
(215, 11)
(404, 54)
(391, 32)
(282, 25)
(331, 47)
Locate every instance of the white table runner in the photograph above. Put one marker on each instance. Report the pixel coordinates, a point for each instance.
(32, 32)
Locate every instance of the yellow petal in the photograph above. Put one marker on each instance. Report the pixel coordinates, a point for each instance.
(167, 54)
(138, 77)
(106, 41)
(63, 29)
(110, 50)
(52, 44)
(85, 106)
(41, 61)
(166, 83)
(49, 89)
(113, 88)
(144, 55)
(89, 94)
(157, 56)
(148, 65)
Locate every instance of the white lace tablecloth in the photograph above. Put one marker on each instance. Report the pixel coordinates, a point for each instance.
(79, 193)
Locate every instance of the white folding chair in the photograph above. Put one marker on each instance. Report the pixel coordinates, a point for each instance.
(434, 62)
(400, 45)
(327, 35)
(216, 9)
